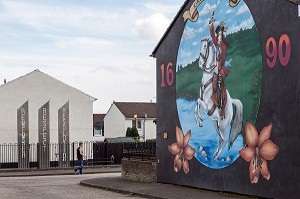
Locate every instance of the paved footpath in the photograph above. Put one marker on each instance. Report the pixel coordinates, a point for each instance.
(156, 190)
(58, 171)
(55, 187)
(15, 182)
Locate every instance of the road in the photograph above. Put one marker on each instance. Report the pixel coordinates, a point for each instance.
(63, 186)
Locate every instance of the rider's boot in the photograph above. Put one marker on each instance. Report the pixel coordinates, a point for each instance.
(220, 95)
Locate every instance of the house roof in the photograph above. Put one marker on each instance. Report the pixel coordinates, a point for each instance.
(98, 118)
(168, 29)
(119, 140)
(41, 73)
(129, 109)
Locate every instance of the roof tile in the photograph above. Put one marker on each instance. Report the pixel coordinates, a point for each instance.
(129, 109)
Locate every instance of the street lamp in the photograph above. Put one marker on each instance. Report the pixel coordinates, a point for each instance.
(135, 117)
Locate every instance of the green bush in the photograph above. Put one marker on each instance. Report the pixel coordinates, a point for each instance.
(133, 132)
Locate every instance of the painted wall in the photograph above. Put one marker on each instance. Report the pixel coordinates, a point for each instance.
(38, 88)
(260, 158)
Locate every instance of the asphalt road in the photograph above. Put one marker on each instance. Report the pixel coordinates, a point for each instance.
(63, 186)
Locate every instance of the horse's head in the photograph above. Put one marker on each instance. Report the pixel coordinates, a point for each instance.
(207, 61)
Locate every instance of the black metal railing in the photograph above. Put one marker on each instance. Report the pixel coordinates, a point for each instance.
(140, 150)
(35, 155)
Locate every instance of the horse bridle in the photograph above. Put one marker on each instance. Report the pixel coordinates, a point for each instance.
(205, 57)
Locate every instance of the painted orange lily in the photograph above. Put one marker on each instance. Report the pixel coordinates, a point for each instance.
(182, 151)
(260, 149)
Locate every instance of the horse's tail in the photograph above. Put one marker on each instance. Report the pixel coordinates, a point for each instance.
(237, 122)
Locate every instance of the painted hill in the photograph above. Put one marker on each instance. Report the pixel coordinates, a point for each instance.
(244, 79)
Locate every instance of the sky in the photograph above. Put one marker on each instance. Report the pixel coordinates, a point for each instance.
(100, 47)
(236, 18)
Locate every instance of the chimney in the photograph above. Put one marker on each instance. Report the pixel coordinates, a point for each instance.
(4, 81)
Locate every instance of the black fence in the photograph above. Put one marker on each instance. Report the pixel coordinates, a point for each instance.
(140, 150)
(64, 155)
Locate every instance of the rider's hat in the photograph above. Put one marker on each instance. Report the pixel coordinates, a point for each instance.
(222, 23)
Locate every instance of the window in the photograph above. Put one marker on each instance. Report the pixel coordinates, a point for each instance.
(99, 129)
(97, 132)
(138, 122)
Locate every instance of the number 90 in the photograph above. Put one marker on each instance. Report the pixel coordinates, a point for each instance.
(272, 54)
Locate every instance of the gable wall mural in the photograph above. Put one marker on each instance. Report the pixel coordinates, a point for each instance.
(228, 97)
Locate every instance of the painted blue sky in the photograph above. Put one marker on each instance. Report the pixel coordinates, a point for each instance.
(101, 47)
(236, 18)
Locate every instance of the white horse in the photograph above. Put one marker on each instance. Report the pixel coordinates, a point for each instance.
(208, 63)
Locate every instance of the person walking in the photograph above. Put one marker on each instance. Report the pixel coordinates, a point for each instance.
(80, 157)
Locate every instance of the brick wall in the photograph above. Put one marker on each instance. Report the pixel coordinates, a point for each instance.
(138, 170)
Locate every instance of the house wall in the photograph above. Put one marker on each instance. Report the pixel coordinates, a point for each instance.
(114, 122)
(39, 88)
(150, 127)
(128, 123)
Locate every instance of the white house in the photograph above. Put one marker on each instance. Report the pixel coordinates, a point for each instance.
(122, 115)
(37, 108)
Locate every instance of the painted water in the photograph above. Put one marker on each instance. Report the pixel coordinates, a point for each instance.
(205, 139)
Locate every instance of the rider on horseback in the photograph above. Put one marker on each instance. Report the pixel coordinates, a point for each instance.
(219, 96)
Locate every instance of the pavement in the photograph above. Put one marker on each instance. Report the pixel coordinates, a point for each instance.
(156, 190)
(117, 184)
(58, 171)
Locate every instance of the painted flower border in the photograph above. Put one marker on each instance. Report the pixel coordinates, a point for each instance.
(258, 151)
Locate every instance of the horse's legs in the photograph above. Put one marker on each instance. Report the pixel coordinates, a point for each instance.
(223, 125)
(222, 143)
(197, 114)
(217, 129)
(217, 151)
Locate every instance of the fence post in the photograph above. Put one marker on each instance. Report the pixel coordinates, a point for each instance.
(73, 147)
(38, 155)
(112, 160)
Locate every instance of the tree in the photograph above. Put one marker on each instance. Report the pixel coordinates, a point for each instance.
(128, 132)
(132, 132)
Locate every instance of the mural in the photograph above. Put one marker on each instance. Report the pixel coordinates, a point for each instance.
(218, 80)
(228, 95)
(259, 149)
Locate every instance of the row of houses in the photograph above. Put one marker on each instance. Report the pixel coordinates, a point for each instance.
(38, 108)
(122, 115)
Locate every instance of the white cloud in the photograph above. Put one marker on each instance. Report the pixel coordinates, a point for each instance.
(242, 10)
(63, 42)
(190, 33)
(152, 27)
(204, 23)
(44, 16)
(91, 47)
(207, 9)
(229, 11)
(168, 9)
(186, 56)
(195, 43)
(246, 24)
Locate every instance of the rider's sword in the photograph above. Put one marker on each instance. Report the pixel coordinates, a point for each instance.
(213, 13)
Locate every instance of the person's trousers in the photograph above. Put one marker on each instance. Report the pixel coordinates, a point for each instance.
(80, 165)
